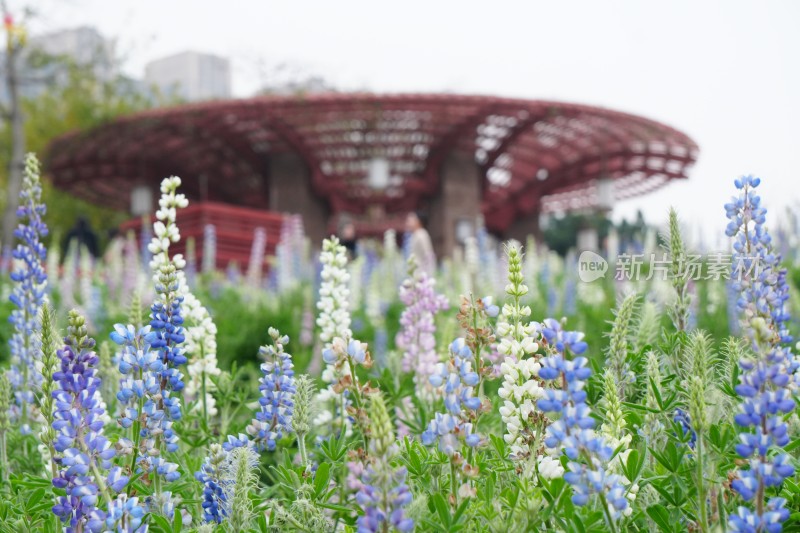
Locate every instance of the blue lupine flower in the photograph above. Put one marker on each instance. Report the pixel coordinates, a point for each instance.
(277, 392)
(554, 334)
(765, 378)
(449, 431)
(681, 417)
(81, 448)
(746, 521)
(142, 369)
(573, 431)
(458, 379)
(383, 496)
(124, 516)
(30, 287)
(491, 309)
(210, 475)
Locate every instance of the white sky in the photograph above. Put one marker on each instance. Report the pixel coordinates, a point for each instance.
(727, 73)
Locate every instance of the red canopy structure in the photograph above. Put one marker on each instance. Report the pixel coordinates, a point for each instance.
(508, 159)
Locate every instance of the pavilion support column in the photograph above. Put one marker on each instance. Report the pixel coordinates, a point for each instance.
(290, 191)
(523, 227)
(457, 200)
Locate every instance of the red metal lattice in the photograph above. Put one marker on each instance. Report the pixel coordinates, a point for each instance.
(534, 155)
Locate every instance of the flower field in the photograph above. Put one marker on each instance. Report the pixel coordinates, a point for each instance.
(147, 392)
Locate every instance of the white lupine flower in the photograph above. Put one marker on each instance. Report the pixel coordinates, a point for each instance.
(334, 317)
(520, 368)
(550, 467)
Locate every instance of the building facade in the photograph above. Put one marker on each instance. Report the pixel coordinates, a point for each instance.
(191, 76)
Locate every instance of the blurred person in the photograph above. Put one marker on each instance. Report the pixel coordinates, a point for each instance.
(84, 235)
(347, 237)
(420, 245)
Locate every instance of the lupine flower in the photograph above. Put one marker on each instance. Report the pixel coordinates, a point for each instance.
(201, 348)
(457, 379)
(450, 432)
(142, 367)
(30, 287)
(521, 386)
(83, 453)
(416, 337)
(457, 382)
(766, 378)
(125, 515)
(617, 357)
(210, 475)
(5, 422)
(301, 416)
(256, 265)
(573, 432)
(239, 477)
(679, 309)
(50, 365)
(163, 406)
(277, 394)
(383, 493)
(334, 321)
(652, 427)
(681, 418)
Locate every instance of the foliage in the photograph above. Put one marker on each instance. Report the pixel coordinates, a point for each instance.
(617, 412)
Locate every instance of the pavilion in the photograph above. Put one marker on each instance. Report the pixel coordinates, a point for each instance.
(374, 157)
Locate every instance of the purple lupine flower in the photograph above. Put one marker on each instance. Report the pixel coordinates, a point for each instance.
(82, 450)
(573, 432)
(277, 391)
(383, 493)
(383, 500)
(416, 337)
(765, 379)
(30, 287)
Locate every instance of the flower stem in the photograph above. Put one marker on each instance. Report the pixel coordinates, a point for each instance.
(301, 446)
(4, 457)
(453, 488)
(702, 519)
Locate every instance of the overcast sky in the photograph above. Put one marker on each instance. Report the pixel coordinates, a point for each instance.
(726, 73)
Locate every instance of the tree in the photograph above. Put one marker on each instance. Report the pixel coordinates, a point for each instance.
(73, 100)
(15, 40)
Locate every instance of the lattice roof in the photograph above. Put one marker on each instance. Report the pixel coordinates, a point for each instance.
(533, 154)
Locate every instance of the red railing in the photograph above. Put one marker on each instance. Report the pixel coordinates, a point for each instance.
(234, 228)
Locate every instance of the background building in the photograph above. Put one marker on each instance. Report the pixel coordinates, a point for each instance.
(373, 158)
(45, 60)
(191, 76)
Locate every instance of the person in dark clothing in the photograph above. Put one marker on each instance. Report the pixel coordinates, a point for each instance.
(348, 238)
(84, 235)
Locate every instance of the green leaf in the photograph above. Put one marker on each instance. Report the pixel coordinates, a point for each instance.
(633, 466)
(442, 509)
(177, 521)
(33, 499)
(660, 515)
(321, 479)
(161, 522)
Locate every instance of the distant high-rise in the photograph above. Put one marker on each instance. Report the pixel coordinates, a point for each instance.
(84, 46)
(191, 76)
